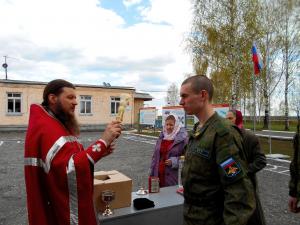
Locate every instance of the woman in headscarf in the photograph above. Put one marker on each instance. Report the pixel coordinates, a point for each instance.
(169, 147)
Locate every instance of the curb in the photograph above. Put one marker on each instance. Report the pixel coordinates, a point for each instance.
(139, 135)
(288, 132)
(274, 137)
(279, 160)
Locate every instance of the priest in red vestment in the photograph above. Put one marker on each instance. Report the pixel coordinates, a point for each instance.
(58, 170)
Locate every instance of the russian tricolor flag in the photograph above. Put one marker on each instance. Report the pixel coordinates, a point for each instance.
(256, 59)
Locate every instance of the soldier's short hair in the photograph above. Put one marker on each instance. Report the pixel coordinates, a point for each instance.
(55, 87)
(199, 83)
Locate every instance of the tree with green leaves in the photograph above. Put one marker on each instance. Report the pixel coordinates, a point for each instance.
(290, 45)
(221, 38)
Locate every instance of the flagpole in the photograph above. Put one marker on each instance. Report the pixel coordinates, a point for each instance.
(256, 70)
(268, 91)
(270, 139)
(254, 102)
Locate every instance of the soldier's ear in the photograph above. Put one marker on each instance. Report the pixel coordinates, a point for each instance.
(204, 94)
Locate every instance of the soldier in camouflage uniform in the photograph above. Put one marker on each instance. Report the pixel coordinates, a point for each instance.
(217, 190)
(294, 184)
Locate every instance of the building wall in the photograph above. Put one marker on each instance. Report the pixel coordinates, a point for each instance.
(101, 105)
(33, 94)
(138, 104)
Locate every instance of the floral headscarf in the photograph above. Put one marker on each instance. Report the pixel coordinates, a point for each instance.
(176, 129)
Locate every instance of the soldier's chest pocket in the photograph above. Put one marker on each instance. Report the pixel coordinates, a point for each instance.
(202, 158)
(201, 151)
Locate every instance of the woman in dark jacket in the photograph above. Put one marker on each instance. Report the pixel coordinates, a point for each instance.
(256, 161)
(294, 184)
(169, 147)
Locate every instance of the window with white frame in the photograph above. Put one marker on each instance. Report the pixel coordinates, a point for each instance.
(14, 103)
(85, 104)
(114, 105)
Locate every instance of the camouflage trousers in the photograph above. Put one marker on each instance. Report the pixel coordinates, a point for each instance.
(202, 215)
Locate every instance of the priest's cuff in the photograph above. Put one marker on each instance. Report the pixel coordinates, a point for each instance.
(96, 151)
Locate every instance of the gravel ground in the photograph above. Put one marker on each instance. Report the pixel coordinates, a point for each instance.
(131, 157)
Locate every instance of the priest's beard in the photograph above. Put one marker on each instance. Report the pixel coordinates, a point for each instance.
(67, 119)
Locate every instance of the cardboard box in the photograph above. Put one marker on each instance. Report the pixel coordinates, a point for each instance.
(114, 181)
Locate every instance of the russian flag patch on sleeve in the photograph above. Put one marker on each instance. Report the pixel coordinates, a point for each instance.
(230, 167)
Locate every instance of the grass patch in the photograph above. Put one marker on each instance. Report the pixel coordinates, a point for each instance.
(284, 147)
(150, 133)
(275, 125)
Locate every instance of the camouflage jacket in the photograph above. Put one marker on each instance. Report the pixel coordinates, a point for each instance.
(294, 184)
(216, 187)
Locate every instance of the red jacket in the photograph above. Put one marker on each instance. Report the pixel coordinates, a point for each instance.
(58, 173)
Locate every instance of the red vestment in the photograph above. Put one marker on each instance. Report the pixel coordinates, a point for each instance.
(58, 173)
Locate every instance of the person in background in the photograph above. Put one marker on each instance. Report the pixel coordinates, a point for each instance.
(58, 170)
(294, 184)
(217, 190)
(169, 147)
(256, 161)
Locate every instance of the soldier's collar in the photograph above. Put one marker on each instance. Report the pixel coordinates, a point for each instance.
(198, 130)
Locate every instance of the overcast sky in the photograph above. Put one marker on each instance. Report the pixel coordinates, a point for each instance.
(137, 43)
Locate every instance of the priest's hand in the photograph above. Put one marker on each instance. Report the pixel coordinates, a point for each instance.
(112, 131)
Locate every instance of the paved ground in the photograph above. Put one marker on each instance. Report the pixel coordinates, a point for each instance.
(132, 157)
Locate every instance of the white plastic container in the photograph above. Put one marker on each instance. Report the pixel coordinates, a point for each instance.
(180, 166)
